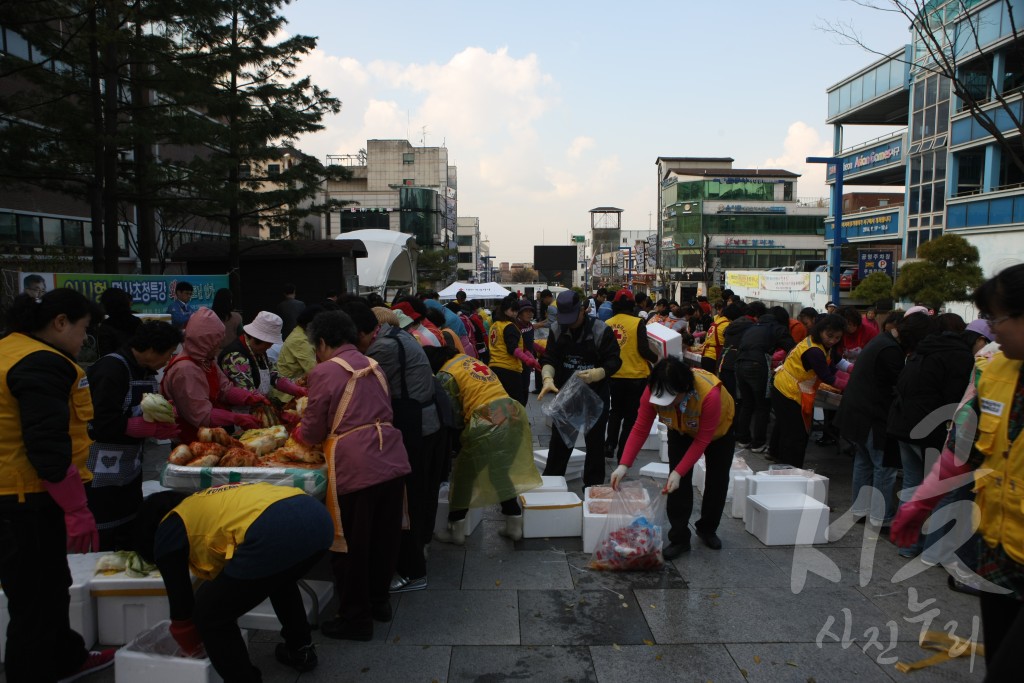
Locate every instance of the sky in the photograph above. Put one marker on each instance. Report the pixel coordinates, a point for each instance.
(550, 109)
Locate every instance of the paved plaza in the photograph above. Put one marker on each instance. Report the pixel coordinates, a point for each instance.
(497, 611)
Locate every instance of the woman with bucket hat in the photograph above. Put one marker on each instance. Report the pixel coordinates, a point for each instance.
(245, 360)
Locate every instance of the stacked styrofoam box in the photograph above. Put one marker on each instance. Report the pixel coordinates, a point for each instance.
(802, 481)
(554, 514)
(81, 610)
(151, 486)
(787, 519)
(594, 520)
(551, 484)
(738, 466)
(657, 470)
(473, 515)
(737, 507)
(663, 441)
(315, 596)
(700, 471)
(740, 469)
(664, 341)
(126, 606)
(653, 441)
(573, 470)
(150, 657)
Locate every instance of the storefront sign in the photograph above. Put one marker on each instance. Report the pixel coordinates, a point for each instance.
(748, 242)
(740, 208)
(150, 293)
(883, 225)
(883, 155)
(875, 261)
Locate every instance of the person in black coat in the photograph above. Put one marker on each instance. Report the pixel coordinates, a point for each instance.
(740, 321)
(927, 394)
(118, 327)
(864, 411)
(753, 375)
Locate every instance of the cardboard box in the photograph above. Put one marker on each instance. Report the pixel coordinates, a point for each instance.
(573, 470)
(787, 519)
(315, 597)
(548, 515)
(126, 607)
(473, 517)
(150, 658)
(552, 484)
(664, 341)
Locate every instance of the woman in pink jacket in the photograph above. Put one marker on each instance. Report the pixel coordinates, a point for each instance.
(349, 411)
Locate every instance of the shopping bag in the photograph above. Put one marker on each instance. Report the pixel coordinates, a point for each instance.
(575, 408)
(633, 535)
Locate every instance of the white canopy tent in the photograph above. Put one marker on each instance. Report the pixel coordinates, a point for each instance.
(390, 260)
(481, 290)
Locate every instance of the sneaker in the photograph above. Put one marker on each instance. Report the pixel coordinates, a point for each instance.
(908, 552)
(301, 659)
(96, 661)
(401, 584)
(763, 448)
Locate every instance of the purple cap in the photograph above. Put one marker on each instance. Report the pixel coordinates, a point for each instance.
(982, 327)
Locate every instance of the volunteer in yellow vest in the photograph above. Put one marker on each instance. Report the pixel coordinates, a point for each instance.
(698, 412)
(807, 365)
(628, 383)
(715, 340)
(247, 542)
(507, 349)
(998, 454)
(45, 409)
(495, 460)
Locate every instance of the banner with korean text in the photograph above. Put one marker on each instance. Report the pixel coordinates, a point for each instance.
(150, 293)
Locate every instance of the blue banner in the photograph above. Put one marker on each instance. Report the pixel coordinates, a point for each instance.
(884, 225)
(875, 261)
(887, 154)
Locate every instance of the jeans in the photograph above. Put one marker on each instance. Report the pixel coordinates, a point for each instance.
(751, 424)
(679, 505)
(912, 457)
(951, 539)
(868, 471)
(625, 400)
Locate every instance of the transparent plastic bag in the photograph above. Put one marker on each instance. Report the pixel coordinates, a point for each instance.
(633, 535)
(158, 641)
(575, 409)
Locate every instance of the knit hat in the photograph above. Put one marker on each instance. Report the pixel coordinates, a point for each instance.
(526, 305)
(266, 327)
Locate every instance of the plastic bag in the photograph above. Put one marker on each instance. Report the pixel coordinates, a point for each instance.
(575, 409)
(158, 641)
(633, 535)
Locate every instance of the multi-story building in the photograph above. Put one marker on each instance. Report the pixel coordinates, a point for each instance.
(715, 217)
(468, 239)
(956, 174)
(396, 186)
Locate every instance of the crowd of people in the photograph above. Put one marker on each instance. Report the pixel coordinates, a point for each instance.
(406, 396)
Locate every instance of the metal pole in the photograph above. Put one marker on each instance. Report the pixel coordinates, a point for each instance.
(836, 252)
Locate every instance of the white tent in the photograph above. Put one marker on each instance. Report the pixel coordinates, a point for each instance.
(390, 259)
(482, 290)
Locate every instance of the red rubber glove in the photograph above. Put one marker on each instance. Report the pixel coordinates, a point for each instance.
(906, 527)
(289, 419)
(842, 378)
(247, 421)
(186, 635)
(289, 387)
(527, 359)
(138, 428)
(69, 494)
(226, 418)
(236, 396)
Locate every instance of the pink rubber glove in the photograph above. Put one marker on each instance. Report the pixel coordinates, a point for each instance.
(906, 527)
(186, 635)
(236, 396)
(527, 359)
(289, 419)
(778, 357)
(138, 428)
(289, 387)
(256, 398)
(842, 378)
(247, 421)
(69, 494)
(538, 350)
(226, 418)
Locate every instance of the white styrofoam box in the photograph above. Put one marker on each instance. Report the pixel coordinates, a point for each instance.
(551, 514)
(125, 606)
(263, 618)
(473, 516)
(593, 524)
(555, 484)
(700, 474)
(664, 341)
(814, 485)
(653, 442)
(658, 470)
(573, 470)
(81, 610)
(819, 414)
(787, 519)
(700, 470)
(151, 486)
(143, 659)
(738, 470)
(737, 508)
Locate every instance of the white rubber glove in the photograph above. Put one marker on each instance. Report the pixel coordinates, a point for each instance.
(592, 375)
(673, 482)
(617, 476)
(548, 386)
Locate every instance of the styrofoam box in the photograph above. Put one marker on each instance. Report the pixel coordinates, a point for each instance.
(473, 516)
(551, 514)
(263, 618)
(125, 607)
(700, 470)
(700, 475)
(574, 470)
(736, 471)
(737, 507)
(658, 470)
(654, 439)
(133, 666)
(664, 341)
(787, 519)
(552, 484)
(151, 486)
(593, 524)
(81, 610)
(815, 486)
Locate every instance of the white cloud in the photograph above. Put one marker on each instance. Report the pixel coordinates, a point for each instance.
(804, 141)
(579, 145)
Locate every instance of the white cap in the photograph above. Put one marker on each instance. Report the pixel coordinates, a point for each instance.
(266, 327)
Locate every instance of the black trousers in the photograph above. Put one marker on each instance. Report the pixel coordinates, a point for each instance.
(41, 647)
(625, 403)
(709, 364)
(114, 508)
(751, 424)
(593, 467)
(372, 521)
(1002, 624)
(422, 486)
(219, 604)
(512, 382)
(679, 506)
(789, 435)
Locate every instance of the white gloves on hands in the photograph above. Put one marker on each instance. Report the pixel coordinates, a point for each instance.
(547, 388)
(673, 482)
(617, 476)
(592, 375)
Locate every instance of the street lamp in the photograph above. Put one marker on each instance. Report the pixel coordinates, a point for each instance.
(836, 253)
